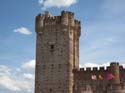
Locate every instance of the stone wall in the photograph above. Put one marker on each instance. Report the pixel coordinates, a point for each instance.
(83, 79)
(57, 52)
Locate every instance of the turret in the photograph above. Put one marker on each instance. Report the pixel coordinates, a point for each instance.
(47, 14)
(67, 18)
(114, 69)
(71, 18)
(115, 84)
(39, 23)
(64, 18)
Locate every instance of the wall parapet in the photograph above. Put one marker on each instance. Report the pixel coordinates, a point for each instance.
(66, 18)
(101, 68)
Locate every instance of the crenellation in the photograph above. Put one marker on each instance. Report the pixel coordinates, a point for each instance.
(108, 68)
(47, 14)
(102, 68)
(49, 21)
(66, 18)
(77, 23)
(71, 14)
(114, 64)
(95, 69)
(121, 68)
(82, 69)
(88, 69)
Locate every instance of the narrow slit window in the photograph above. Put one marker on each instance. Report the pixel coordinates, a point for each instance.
(52, 47)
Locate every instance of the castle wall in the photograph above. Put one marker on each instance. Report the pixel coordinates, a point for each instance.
(84, 82)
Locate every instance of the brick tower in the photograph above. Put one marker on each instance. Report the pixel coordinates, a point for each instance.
(57, 52)
(115, 85)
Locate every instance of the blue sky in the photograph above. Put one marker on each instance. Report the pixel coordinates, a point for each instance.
(102, 39)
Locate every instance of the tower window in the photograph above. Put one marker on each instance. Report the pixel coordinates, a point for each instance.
(52, 47)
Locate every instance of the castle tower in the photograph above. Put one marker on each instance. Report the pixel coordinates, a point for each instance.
(57, 52)
(115, 84)
(114, 69)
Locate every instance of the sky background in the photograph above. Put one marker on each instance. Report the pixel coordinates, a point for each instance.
(102, 37)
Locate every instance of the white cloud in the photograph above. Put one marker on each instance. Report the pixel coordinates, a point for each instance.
(91, 65)
(9, 83)
(29, 65)
(56, 3)
(23, 30)
(5, 79)
(81, 66)
(4, 70)
(18, 83)
(123, 65)
(28, 76)
(18, 69)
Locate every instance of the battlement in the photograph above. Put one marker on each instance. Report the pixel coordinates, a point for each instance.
(114, 64)
(65, 13)
(52, 20)
(77, 23)
(66, 18)
(93, 69)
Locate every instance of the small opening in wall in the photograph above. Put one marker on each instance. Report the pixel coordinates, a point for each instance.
(50, 90)
(52, 47)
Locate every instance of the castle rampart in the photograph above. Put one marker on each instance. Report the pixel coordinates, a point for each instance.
(83, 77)
(66, 18)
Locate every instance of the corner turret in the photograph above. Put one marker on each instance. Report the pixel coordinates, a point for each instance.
(39, 23)
(114, 69)
(64, 18)
(67, 18)
(115, 85)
